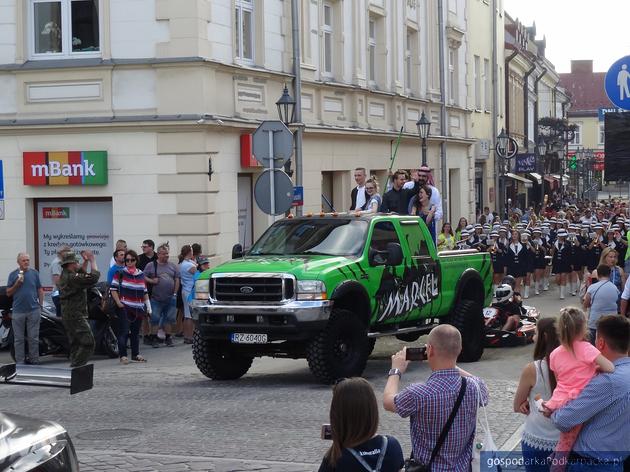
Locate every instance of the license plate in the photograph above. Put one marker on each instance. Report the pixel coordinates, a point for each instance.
(248, 338)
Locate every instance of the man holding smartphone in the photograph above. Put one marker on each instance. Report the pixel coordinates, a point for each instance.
(429, 404)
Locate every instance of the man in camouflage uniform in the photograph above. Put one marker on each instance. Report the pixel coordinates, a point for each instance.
(73, 282)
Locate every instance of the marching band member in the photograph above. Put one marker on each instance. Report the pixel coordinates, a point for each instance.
(515, 258)
(560, 253)
(540, 263)
(528, 261)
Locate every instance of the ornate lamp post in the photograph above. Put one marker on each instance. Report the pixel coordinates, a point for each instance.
(286, 113)
(424, 126)
(506, 148)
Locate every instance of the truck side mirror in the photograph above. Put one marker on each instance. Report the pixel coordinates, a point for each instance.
(237, 251)
(394, 254)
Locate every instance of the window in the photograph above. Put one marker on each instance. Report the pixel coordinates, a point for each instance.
(372, 50)
(602, 136)
(477, 73)
(327, 29)
(244, 27)
(487, 82)
(383, 234)
(577, 139)
(408, 65)
(64, 28)
(452, 74)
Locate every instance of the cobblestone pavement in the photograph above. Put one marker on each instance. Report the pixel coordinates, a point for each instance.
(166, 416)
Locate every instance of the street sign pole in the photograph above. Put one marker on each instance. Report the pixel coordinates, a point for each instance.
(271, 176)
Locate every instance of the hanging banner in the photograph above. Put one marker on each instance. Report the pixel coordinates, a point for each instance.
(524, 163)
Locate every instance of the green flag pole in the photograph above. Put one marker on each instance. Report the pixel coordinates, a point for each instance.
(392, 159)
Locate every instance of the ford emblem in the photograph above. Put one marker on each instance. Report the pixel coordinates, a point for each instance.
(246, 289)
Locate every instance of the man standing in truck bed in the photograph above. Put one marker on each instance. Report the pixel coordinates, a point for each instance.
(397, 199)
(73, 282)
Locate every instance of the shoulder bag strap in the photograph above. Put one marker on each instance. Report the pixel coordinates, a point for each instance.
(449, 423)
(381, 457)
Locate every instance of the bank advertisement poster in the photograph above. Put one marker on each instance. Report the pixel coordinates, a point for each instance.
(80, 225)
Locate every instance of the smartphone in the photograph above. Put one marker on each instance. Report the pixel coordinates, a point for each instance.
(416, 353)
(326, 432)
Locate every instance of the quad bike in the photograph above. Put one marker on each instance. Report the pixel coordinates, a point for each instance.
(498, 313)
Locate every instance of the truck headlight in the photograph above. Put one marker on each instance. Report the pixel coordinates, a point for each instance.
(311, 290)
(202, 289)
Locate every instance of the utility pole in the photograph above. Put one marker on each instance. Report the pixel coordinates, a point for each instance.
(443, 121)
(495, 106)
(297, 93)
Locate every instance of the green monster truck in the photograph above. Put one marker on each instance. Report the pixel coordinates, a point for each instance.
(324, 287)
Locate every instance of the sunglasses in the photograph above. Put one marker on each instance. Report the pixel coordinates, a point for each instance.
(130, 260)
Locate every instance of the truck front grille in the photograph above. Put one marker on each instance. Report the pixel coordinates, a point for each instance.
(253, 289)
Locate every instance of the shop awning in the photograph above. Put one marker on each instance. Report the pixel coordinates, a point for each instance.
(550, 179)
(565, 179)
(536, 177)
(518, 177)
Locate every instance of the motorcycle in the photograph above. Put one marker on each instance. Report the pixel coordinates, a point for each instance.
(52, 334)
(523, 334)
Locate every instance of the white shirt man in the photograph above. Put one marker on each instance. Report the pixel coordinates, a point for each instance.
(358, 196)
(422, 175)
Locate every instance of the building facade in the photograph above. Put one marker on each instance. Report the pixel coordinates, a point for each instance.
(129, 119)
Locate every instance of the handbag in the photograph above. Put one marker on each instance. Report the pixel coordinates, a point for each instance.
(411, 465)
(486, 445)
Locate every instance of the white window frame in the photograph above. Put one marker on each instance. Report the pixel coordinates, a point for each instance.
(239, 7)
(328, 33)
(452, 75)
(371, 62)
(487, 80)
(601, 133)
(408, 61)
(577, 138)
(477, 81)
(66, 33)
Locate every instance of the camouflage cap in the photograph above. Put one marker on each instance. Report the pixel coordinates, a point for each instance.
(69, 257)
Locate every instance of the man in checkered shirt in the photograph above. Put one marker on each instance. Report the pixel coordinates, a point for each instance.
(429, 405)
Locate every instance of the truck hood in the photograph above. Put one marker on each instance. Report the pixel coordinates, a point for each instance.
(302, 267)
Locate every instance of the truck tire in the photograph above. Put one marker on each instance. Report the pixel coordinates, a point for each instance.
(217, 360)
(341, 349)
(468, 319)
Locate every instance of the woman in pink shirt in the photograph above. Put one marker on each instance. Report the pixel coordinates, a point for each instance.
(574, 364)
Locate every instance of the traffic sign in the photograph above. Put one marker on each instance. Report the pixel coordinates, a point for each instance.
(617, 83)
(273, 192)
(272, 144)
(1, 183)
(298, 196)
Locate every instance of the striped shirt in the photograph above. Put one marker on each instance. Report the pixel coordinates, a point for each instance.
(604, 408)
(131, 288)
(429, 405)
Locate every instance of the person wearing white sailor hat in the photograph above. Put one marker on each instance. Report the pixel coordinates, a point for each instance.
(560, 252)
(496, 248)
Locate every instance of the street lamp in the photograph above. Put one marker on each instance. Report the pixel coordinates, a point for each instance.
(286, 113)
(541, 146)
(502, 143)
(286, 107)
(424, 126)
(504, 152)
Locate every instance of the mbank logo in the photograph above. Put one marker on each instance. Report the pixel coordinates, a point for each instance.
(57, 169)
(65, 168)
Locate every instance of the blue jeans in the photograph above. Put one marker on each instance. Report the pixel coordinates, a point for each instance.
(164, 313)
(125, 326)
(535, 460)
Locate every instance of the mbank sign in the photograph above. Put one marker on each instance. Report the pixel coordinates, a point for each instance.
(65, 168)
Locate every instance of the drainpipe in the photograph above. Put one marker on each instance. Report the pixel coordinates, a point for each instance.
(526, 106)
(507, 89)
(443, 169)
(297, 93)
(542, 170)
(495, 103)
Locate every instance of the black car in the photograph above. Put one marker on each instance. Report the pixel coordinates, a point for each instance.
(28, 444)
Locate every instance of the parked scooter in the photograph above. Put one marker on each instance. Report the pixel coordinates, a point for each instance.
(52, 335)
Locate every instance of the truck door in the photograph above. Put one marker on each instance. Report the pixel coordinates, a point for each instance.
(392, 302)
(423, 268)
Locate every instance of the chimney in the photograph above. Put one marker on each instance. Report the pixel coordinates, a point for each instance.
(582, 66)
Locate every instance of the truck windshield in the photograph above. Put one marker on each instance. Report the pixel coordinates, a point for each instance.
(327, 237)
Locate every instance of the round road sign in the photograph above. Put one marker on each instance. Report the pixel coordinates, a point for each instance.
(282, 192)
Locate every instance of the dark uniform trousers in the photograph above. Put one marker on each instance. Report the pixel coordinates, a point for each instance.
(72, 288)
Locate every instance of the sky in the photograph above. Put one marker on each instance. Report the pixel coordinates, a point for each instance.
(578, 29)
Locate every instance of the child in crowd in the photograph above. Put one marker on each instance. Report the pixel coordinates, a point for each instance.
(574, 364)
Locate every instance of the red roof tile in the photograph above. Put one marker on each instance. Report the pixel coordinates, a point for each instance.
(586, 89)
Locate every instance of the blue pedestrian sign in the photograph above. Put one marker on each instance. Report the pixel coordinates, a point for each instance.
(617, 83)
(1, 183)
